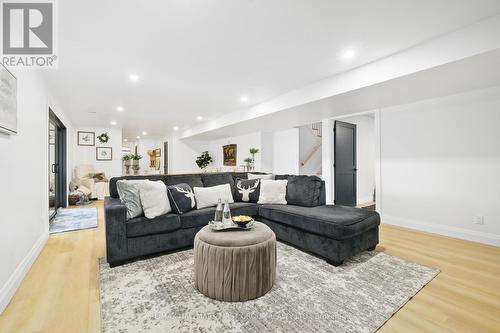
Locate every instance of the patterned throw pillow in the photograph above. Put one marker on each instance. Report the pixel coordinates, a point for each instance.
(247, 190)
(181, 198)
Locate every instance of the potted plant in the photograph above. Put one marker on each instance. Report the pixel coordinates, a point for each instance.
(253, 151)
(135, 158)
(248, 162)
(126, 161)
(203, 160)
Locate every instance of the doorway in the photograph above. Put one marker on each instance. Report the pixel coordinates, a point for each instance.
(359, 169)
(57, 165)
(345, 167)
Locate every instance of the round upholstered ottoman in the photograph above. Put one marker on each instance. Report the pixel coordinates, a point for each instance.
(235, 266)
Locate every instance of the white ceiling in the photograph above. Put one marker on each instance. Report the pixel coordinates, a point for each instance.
(197, 57)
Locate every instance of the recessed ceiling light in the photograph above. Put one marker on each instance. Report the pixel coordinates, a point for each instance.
(113, 123)
(176, 128)
(120, 108)
(144, 133)
(348, 54)
(243, 99)
(133, 77)
(199, 118)
(137, 137)
(125, 140)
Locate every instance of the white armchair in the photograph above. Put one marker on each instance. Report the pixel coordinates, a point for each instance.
(83, 176)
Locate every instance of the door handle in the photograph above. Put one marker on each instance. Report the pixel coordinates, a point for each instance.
(53, 169)
(355, 169)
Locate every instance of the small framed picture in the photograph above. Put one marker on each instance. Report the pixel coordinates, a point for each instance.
(158, 152)
(104, 153)
(86, 138)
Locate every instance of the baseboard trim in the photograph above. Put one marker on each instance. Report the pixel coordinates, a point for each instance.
(455, 232)
(10, 287)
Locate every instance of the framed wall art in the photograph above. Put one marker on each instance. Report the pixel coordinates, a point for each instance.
(104, 153)
(230, 154)
(86, 138)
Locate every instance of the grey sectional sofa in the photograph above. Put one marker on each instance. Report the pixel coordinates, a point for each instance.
(332, 232)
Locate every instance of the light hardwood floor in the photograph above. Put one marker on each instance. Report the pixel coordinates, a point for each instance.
(61, 291)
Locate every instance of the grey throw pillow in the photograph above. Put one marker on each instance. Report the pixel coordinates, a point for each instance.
(128, 190)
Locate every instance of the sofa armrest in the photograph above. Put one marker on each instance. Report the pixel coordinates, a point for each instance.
(115, 214)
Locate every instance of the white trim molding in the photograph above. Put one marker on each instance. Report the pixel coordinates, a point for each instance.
(9, 289)
(455, 232)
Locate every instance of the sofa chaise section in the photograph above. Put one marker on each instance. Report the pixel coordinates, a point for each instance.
(333, 232)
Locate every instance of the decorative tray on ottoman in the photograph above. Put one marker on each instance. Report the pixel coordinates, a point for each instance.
(219, 226)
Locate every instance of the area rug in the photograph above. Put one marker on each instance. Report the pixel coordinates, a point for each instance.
(74, 219)
(158, 295)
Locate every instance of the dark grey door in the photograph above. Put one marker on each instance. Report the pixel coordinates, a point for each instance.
(165, 158)
(345, 163)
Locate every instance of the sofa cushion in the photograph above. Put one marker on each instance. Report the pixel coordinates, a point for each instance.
(247, 190)
(181, 198)
(191, 180)
(113, 191)
(142, 226)
(214, 179)
(303, 191)
(201, 217)
(333, 221)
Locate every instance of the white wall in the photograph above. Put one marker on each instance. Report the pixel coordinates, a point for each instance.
(244, 143)
(24, 195)
(183, 153)
(279, 152)
(365, 156)
(440, 165)
(87, 154)
(286, 152)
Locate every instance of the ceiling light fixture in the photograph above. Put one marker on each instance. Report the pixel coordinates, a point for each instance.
(133, 77)
(348, 54)
(113, 123)
(176, 128)
(137, 137)
(144, 133)
(243, 99)
(199, 118)
(125, 140)
(120, 108)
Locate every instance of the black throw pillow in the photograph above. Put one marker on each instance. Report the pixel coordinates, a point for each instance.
(181, 198)
(247, 190)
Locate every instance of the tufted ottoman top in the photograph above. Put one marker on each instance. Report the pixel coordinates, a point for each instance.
(236, 238)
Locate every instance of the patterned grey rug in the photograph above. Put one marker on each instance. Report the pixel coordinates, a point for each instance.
(158, 295)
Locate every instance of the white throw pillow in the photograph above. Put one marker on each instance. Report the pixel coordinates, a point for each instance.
(154, 198)
(209, 196)
(255, 176)
(273, 192)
